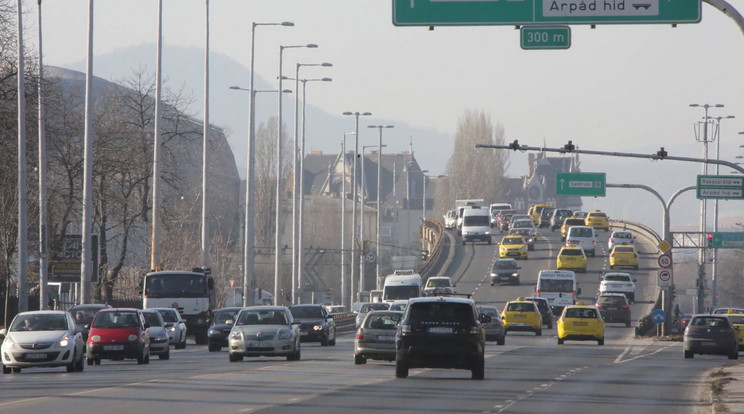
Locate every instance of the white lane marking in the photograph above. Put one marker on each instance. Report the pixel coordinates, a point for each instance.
(509, 403)
(622, 354)
(644, 355)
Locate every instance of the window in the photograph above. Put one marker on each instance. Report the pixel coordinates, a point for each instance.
(476, 221)
(556, 285)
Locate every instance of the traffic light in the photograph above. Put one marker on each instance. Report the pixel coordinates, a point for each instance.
(710, 239)
(288, 296)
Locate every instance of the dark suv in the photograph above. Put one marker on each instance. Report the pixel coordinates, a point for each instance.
(441, 332)
(614, 307)
(544, 307)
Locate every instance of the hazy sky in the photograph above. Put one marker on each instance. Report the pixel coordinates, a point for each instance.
(619, 87)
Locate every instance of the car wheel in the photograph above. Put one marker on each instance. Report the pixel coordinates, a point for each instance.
(182, 344)
(165, 355)
(600, 341)
(635, 267)
(560, 341)
(735, 353)
(201, 338)
(332, 342)
(90, 361)
(233, 358)
(627, 323)
(359, 360)
(689, 354)
(324, 341)
(97, 361)
(463, 242)
(489, 241)
(72, 365)
(612, 267)
(80, 366)
(298, 354)
(501, 340)
(401, 369)
(491, 283)
(538, 332)
(147, 357)
(478, 370)
(213, 347)
(594, 253)
(6, 370)
(141, 357)
(16, 370)
(550, 325)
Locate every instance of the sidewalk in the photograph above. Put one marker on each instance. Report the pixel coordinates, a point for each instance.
(727, 388)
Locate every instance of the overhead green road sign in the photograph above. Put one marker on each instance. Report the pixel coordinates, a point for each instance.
(581, 184)
(545, 37)
(729, 240)
(720, 186)
(520, 12)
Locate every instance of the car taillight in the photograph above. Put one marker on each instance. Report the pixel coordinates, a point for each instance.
(597, 304)
(612, 254)
(612, 240)
(624, 306)
(631, 241)
(360, 334)
(594, 242)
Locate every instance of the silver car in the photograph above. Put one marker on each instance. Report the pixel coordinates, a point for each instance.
(43, 339)
(175, 325)
(159, 343)
(369, 307)
(494, 329)
(375, 338)
(265, 331)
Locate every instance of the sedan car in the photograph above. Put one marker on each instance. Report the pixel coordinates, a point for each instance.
(84, 314)
(495, 330)
(398, 305)
(614, 307)
(375, 338)
(219, 330)
(116, 334)
(625, 256)
(513, 246)
(581, 323)
(175, 326)
(571, 258)
(712, 335)
(620, 237)
(42, 339)
(505, 271)
(522, 315)
(159, 341)
(369, 307)
(316, 325)
(265, 331)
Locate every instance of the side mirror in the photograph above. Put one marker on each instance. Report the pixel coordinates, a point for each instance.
(483, 318)
(182, 321)
(3, 332)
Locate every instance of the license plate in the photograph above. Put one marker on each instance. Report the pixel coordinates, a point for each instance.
(385, 338)
(252, 344)
(581, 324)
(520, 316)
(303, 333)
(36, 356)
(440, 330)
(113, 347)
(708, 343)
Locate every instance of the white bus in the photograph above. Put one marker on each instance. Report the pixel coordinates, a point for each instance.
(559, 287)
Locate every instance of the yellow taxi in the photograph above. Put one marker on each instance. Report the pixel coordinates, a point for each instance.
(513, 246)
(571, 258)
(535, 211)
(581, 322)
(623, 255)
(737, 320)
(567, 223)
(522, 315)
(598, 220)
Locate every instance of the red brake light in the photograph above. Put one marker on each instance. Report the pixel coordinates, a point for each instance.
(360, 334)
(625, 306)
(612, 240)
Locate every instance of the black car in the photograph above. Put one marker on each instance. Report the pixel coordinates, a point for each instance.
(614, 307)
(316, 325)
(712, 335)
(545, 217)
(557, 217)
(505, 271)
(220, 329)
(544, 307)
(441, 332)
(83, 315)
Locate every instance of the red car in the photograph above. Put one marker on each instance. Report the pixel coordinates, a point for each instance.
(117, 334)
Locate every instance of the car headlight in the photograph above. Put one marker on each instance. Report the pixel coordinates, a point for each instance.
(95, 338)
(132, 338)
(236, 335)
(317, 327)
(213, 332)
(286, 334)
(502, 247)
(488, 233)
(9, 342)
(162, 337)
(515, 274)
(64, 341)
(172, 329)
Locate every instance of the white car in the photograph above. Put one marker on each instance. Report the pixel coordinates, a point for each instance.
(265, 331)
(439, 286)
(368, 307)
(618, 283)
(620, 237)
(43, 339)
(159, 342)
(450, 219)
(584, 237)
(175, 325)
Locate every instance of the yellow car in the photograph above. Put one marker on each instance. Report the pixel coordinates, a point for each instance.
(737, 320)
(571, 258)
(522, 315)
(623, 256)
(513, 246)
(568, 222)
(535, 211)
(598, 220)
(581, 322)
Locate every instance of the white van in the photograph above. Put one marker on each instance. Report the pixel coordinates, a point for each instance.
(402, 284)
(559, 287)
(476, 225)
(584, 237)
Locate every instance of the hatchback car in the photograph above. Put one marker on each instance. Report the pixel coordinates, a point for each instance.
(571, 258)
(175, 326)
(375, 338)
(265, 331)
(495, 329)
(505, 271)
(624, 256)
(513, 246)
(83, 315)
(545, 214)
(369, 307)
(118, 333)
(159, 341)
(316, 325)
(219, 330)
(598, 220)
(620, 237)
(522, 315)
(712, 335)
(441, 332)
(567, 223)
(614, 307)
(584, 237)
(581, 323)
(42, 339)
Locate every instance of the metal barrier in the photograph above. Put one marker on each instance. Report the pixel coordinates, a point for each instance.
(638, 228)
(431, 228)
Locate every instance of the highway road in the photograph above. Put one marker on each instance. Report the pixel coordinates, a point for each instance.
(530, 374)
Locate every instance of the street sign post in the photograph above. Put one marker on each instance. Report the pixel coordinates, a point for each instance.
(581, 184)
(545, 37)
(658, 316)
(730, 240)
(522, 12)
(720, 187)
(665, 261)
(664, 278)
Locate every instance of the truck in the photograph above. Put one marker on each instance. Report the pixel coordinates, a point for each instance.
(190, 292)
(466, 203)
(402, 284)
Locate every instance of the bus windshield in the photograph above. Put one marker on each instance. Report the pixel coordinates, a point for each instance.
(401, 292)
(176, 285)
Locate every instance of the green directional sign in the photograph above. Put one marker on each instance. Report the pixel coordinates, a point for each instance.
(581, 184)
(730, 240)
(521, 12)
(545, 37)
(720, 186)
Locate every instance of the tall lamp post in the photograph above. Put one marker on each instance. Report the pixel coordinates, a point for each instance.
(343, 224)
(43, 252)
(354, 191)
(361, 226)
(250, 180)
(277, 218)
(379, 200)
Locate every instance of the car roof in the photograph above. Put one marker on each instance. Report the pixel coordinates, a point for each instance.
(307, 305)
(91, 306)
(580, 307)
(44, 312)
(440, 299)
(229, 308)
(267, 308)
(536, 298)
(120, 310)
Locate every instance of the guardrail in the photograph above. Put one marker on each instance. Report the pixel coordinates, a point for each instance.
(638, 228)
(433, 228)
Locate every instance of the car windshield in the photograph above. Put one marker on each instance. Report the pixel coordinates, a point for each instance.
(739, 320)
(306, 312)
(262, 317)
(476, 221)
(617, 278)
(522, 232)
(611, 300)
(428, 313)
(574, 222)
(369, 307)
(226, 315)
(520, 307)
(401, 292)
(581, 313)
(504, 265)
(596, 215)
(556, 285)
(491, 311)
(524, 223)
(432, 282)
(151, 318)
(581, 232)
(40, 322)
(83, 316)
(175, 285)
(710, 322)
(570, 252)
(542, 305)
(622, 235)
(513, 240)
(398, 306)
(112, 320)
(169, 315)
(383, 321)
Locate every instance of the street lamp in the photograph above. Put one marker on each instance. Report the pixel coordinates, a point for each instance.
(354, 191)
(277, 241)
(343, 224)
(250, 205)
(361, 215)
(423, 205)
(379, 202)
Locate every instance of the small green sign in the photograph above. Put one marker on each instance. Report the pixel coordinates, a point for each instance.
(730, 240)
(720, 186)
(545, 37)
(581, 184)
